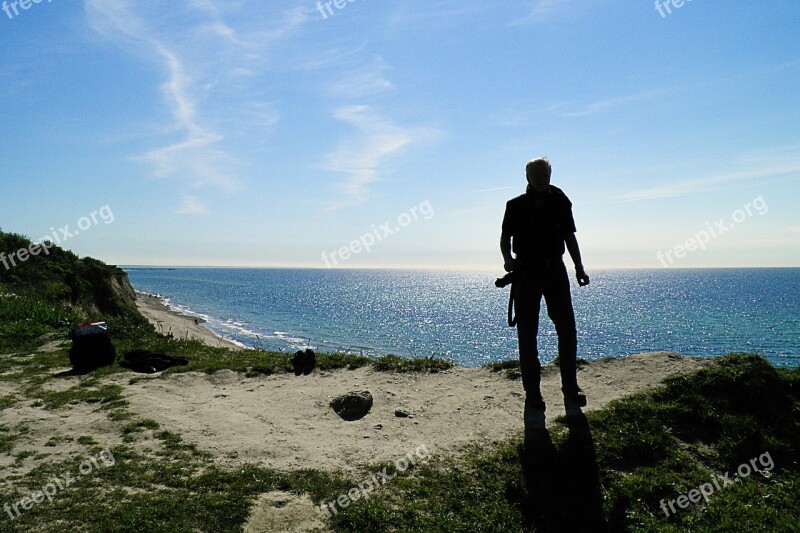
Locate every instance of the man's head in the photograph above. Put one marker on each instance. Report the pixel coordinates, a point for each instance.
(538, 173)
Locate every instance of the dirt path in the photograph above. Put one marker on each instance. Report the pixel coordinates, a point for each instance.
(285, 422)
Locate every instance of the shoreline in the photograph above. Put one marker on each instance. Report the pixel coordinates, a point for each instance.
(169, 321)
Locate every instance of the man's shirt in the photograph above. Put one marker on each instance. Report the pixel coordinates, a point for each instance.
(538, 223)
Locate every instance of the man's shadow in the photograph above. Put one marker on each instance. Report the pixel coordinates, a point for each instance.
(563, 486)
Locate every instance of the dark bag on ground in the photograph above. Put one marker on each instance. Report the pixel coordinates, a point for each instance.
(91, 347)
(146, 362)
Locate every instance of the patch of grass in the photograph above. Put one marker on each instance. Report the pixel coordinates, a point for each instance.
(510, 367)
(7, 401)
(121, 415)
(25, 319)
(393, 363)
(10, 436)
(86, 440)
(57, 440)
(88, 391)
(499, 366)
(176, 489)
(19, 459)
(140, 425)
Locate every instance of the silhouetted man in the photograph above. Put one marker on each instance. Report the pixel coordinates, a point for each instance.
(538, 224)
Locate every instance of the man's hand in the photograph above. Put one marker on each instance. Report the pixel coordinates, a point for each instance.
(510, 265)
(583, 277)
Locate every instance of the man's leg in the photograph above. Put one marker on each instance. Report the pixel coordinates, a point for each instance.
(527, 299)
(559, 309)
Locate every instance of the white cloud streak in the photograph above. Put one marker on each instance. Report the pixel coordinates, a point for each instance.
(610, 103)
(204, 60)
(191, 205)
(684, 188)
(361, 158)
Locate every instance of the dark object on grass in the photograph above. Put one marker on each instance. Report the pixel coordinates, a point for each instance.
(304, 361)
(91, 347)
(353, 405)
(146, 362)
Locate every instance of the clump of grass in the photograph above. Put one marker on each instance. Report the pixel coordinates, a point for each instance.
(25, 319)
(19, 459)
(510, 367)
(338, 360)
(393, 363)
(10, 436)
(108, 396)
(7, 401)
(59, 439)
(140, 425)
(499, 366)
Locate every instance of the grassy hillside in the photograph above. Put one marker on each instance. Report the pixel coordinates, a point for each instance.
(54, 289)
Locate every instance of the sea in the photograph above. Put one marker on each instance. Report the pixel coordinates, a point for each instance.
(462, 316)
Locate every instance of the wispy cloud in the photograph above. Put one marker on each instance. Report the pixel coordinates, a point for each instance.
(210, 68)
(610, 103)
(683, 188)
(548, 10)
(361, 157)
(361, 84)
(493, 189)
(191, 205)
(545, 9)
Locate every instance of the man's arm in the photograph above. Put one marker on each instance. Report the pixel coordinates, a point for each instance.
(505, 239)
(505, 249)
(575, 254)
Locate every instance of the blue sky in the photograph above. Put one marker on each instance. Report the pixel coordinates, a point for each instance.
(244, 133)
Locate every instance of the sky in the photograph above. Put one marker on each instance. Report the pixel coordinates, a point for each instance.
(390, 134)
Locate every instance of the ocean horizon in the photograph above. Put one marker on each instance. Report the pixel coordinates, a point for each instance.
(461, 316)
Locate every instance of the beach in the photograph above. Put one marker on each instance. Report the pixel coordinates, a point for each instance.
(181, 326)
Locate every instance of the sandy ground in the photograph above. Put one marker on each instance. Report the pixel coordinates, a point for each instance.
(285, 421)
(181, 326)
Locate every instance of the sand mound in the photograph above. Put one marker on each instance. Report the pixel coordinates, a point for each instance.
(281, 511)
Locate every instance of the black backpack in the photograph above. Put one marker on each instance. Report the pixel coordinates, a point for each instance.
(91, 347)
